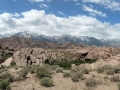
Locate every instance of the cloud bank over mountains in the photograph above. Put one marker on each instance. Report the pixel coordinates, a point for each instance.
(50, 24)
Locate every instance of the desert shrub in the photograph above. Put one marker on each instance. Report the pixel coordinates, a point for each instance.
(75, 77)
(77, 73)
(106, 77)
(59, 69)
(54, 67)
(85, 71)
(32, 70)
(4, 85)
(47, 82)
(115, 78)
(67, 64)
(110, 71)
(2, 67)
(23, 72)
(106, 69)
(16, 67)
(117, 68)
(118, 86)
(6, 56)
(91, 82)
(66, 74)
(7, 76)
(43, 71)
(12, 64)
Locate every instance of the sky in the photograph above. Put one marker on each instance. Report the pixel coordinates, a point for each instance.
(93, 18)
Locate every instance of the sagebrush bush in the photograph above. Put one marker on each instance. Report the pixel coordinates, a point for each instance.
(77, 74)
(43, 71)
(47, 82)
(59, 69)
(75, 77)
(115, 78)
(91, 82)
(4, 85)
(106, 69)
(12, 63)
(23, 72)
(66, 74)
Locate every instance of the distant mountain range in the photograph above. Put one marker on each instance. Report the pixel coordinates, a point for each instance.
(65, 39)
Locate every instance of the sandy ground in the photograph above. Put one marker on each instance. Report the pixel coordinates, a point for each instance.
(60, 83)
(7, 62)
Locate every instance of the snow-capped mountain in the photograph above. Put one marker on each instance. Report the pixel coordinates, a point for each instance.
(65, 39)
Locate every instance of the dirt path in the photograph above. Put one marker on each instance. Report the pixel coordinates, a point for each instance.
(7, 62)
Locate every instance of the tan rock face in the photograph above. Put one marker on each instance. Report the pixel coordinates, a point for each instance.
(40, 56)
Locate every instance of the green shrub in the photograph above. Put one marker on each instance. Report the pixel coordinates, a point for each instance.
(43, 71)
(2, 67)
(23, 72)
(66, 74)
(67, 64)
(59, 69)
(91, 82)
(47, 82)
(4, 85)
(13, 63)
(115, 78)
(118, 86)
(7, 76)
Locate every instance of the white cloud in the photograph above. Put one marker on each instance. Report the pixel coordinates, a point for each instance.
(39, 1)
(61, 13)
(39, 22)
(93, 12)
(108, 4)
(75, 0)
(44, 6)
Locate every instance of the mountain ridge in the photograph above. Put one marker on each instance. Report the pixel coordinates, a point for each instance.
(65, 39)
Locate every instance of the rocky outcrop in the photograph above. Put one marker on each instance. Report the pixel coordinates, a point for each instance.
(40, 56)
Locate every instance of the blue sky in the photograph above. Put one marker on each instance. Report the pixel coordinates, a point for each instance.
(96, 18)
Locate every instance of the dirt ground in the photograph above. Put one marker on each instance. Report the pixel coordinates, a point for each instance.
(61, 83)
